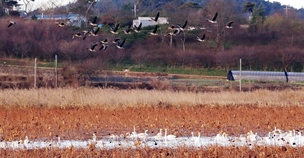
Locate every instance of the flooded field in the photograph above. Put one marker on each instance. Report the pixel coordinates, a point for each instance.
(135, 140)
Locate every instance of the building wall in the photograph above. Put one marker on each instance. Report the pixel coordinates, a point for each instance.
(146, 21)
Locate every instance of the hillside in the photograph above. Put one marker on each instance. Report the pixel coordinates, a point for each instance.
(270, 40)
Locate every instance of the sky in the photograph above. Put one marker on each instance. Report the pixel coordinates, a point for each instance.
(294, 3)
(46, 3)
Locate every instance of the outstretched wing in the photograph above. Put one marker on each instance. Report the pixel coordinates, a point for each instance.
(215, 16)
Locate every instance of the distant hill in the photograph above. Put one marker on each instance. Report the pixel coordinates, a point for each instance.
(153, 5)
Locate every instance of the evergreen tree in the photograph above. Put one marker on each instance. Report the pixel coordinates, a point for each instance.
(6, 6)
(258, 18)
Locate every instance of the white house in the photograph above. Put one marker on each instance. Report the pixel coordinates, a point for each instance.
(72, 19)
(146, 21)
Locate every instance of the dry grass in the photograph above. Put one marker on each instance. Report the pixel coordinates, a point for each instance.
(111, 98)
(214, 151)
(77, 113)
(81, 122)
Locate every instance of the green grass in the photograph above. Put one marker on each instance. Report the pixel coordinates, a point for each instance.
(134, 68)
(199, 82)
(172, 70)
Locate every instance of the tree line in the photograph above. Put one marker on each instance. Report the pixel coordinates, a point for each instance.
(272, 42)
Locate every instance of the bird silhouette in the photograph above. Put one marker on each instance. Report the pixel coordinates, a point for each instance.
(154, 30)
(201, 39)
(213, 20)
(127, 30)
(137, 28)
(93, 22)
(115, 40)
(182, 28)
(85, 33)
(155, 18)
(105, 41)
(94, 31)
(174, 32)
(11, 23)
(91, 49)
(120, 45)
(103, 47)
(114, 30)
(60, 24)
(228, 25)
(78, 34)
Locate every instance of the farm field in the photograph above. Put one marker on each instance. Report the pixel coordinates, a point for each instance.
(75, 114)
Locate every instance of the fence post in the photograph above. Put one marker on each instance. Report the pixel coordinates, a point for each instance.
(56, 72)
(35, 73)
(240, 75)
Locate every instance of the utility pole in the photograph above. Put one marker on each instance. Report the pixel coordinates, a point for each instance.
(286, 11)
(56, 72)
(35, 73)
(240, 75)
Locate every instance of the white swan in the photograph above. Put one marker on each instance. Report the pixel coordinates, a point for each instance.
(143, 135)
(252, 137)
(169, 136)
(58, 141)
(26, 140)
(116, 137)
(159, 135)
(134, 132)
(195, 139)
(289, 138)
(132, 135)
(94, 138)
(221, 138)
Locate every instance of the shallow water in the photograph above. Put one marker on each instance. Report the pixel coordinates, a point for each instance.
(274, 138)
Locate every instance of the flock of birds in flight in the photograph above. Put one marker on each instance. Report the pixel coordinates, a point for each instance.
(93, 31)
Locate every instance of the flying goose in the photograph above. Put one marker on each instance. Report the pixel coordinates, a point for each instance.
(156, 18)
(201, 39)
(120, 45)
(213, 20)
(154, 31)
(93, 22)
(105, 41)
(85, 33)
(114, 30)
(94, 31)
(228, 26)
(182, 28)
(127, 30)
(137, 28)
(91, 49)
(172, 27)
(11, 23)
(60, 24)
(103, 47)
(174, 32)
(78, 34)
(115, 40)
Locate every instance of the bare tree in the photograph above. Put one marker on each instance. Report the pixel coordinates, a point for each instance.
(140, 54)
(226, 12)
(288, 57)
(26, 4)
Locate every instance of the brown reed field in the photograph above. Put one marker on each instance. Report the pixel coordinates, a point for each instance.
(42, 114)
